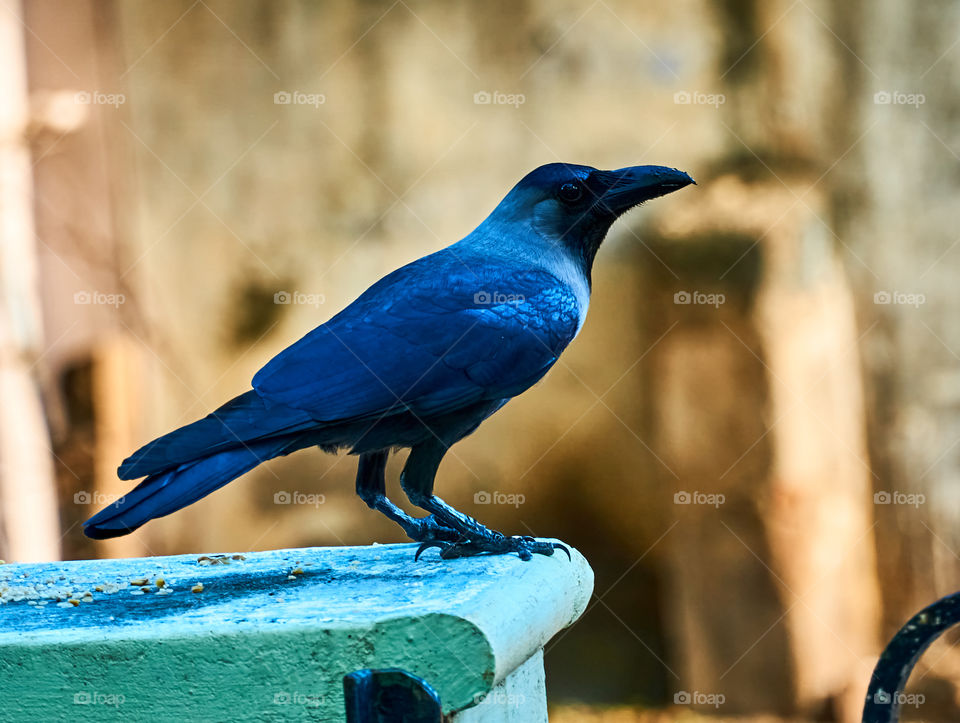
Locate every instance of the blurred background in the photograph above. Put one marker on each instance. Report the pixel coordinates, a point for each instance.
(754, 440)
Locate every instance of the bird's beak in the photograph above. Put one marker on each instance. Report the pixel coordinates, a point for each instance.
(619, 191)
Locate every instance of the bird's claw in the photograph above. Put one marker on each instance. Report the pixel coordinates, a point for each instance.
(424, 546)
(525, 547)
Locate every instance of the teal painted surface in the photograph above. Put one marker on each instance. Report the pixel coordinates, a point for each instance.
(270, 636)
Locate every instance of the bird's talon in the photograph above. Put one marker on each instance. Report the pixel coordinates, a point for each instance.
(426, 546)
(525, 547)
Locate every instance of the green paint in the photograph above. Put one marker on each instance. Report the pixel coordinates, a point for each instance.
(290, 674)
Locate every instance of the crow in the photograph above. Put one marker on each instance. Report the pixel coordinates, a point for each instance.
(418, 361)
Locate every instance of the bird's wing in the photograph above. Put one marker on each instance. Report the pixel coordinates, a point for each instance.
(428, 342)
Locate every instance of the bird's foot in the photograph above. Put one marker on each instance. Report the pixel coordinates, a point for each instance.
(497, 544)
(428, 531)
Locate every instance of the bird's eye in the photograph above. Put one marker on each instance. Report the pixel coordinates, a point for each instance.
(571, 192)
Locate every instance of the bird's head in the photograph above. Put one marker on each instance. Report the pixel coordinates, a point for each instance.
(576, 205)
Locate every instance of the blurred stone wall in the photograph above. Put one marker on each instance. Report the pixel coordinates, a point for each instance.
(233, 222)
(896, 211)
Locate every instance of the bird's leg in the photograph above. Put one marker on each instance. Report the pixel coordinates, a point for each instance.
(371, 487)
(417, 482)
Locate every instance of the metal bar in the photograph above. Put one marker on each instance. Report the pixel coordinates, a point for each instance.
(388, 695)
(890, 676)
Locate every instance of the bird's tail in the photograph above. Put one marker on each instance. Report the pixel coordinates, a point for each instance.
(244, 420)
(166, 492)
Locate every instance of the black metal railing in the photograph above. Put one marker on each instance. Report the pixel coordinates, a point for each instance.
(886, 691)
(390, 695)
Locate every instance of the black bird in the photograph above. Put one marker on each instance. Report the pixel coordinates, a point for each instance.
(419, 360)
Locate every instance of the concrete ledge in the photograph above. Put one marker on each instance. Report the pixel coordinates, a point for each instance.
(271, 634)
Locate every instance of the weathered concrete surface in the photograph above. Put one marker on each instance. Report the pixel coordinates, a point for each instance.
(271, 634)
